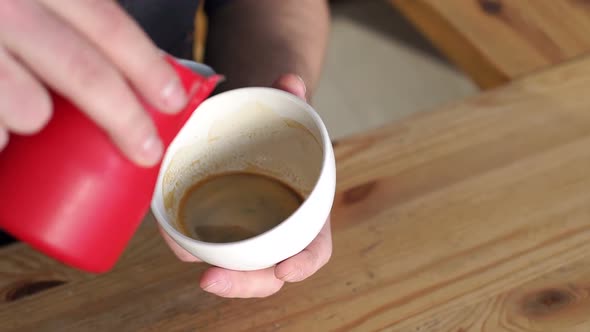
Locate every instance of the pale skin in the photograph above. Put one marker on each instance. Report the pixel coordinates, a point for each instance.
(60, 44)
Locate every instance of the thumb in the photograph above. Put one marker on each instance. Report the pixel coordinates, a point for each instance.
(293, 84)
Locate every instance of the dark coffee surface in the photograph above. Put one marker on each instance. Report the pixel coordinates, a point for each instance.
(235, 206)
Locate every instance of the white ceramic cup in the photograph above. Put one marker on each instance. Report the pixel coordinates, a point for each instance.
(261, 130)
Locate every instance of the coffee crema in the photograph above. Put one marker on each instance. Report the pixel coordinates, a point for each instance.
(235, 206)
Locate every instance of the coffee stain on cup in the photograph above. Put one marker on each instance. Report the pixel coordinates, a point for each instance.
(253, 138)
(296, 125)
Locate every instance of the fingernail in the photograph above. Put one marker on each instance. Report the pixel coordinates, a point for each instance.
(302, 82)
(174, 96)
(152, 149)
(218, 287)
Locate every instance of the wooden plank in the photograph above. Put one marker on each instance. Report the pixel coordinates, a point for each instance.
(441, 213)
(495, 41)
(557, 302)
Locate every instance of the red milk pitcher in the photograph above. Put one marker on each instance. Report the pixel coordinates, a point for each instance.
(70, 193)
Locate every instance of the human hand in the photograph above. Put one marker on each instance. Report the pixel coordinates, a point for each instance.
(262, 283)
(93, 54)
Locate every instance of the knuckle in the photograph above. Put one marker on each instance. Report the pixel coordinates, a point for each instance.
(116, 108)
(87, 70)
(112, 22)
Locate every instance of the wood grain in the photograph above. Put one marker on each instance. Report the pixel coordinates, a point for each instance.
(473, 217)
(495, 41)
(557, 301)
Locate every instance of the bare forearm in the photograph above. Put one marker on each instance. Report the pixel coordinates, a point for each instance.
(252, 42)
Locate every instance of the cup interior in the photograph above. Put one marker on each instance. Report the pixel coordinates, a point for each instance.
(257, 130)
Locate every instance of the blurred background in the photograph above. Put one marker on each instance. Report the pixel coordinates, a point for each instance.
(379, 68)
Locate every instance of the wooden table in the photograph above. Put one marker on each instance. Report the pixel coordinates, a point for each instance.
(495, 41)
(474, 217)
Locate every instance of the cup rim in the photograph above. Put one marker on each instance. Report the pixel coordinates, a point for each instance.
(326, 147)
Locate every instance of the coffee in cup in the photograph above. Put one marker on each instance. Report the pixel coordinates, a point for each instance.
(235, 206)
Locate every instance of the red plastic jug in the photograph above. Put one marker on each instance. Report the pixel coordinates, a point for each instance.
(70, 193)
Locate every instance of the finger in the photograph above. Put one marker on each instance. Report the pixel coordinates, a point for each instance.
(308, 261)
(179, 251)
(4, 137)
(293, 84)
(126, 45)
(74, 68)
(240, 284)
(25, 106)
